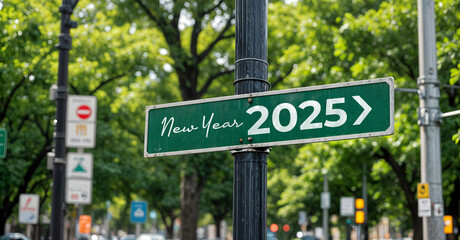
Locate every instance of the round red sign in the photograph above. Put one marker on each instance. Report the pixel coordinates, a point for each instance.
(83, 112)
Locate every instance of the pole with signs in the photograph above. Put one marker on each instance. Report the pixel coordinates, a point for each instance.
(429, 117)
(138, 214)
(251, 74)
(347, 209)
(65, 44)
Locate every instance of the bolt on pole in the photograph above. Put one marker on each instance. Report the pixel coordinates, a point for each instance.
(429, 116)
(251, 74)
(57, 200)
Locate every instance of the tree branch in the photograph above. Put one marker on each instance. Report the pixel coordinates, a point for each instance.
(37, 183)
(17, 86)
(197, 27)
(37, 122)
(206, 52)
(281, 78)
(20, 126)
(211, 79)
(106, 82)
(27, 177)
(130, 131)
(10, 97)
(400, 174)
(194, 38)
(149, 13)
(211, 9)
(398, 61)
(75, 90)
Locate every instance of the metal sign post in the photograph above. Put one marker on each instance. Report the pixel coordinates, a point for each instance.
(429, 116)
(65, 44)
(251, 74)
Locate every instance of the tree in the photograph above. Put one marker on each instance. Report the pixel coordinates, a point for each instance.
(367, 44)
(24, 106)
(217, 194)
(194, 34)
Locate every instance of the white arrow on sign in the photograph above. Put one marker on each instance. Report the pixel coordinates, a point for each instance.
(367, 110)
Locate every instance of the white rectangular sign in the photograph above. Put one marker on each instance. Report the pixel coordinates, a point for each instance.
(438, 210)
(325, 200)
(79, 165)
(28, 208)
(347, 206)
(81, 121)
(79, 191)
(424, 207)
(302, 218)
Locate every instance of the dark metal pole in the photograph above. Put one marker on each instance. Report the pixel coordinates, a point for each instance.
(365, 226)
(348, 226)
(251, 74)
(57, 200)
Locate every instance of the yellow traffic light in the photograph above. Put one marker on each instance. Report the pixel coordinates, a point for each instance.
(360, 216)
(359, 203)
(448, 224)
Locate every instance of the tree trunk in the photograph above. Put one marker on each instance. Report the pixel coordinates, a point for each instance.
(170, 230)
(2, 224)
(412, 203)
(191, 190)
(217, 220)
(169, 225)
(416, 224)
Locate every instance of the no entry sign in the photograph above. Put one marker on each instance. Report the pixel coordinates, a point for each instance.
(83, 112)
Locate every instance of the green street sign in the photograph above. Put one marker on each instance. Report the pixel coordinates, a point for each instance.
(302, 115)
(3, 139)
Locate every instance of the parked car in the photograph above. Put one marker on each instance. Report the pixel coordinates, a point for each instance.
(150, 236)
(14, 236)
(128, 237)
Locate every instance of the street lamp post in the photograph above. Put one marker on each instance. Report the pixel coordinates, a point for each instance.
(65, 44)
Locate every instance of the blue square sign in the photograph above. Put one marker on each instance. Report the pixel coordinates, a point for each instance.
(138, 212)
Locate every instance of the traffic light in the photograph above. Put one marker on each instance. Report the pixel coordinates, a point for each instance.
(286, 228)
(274, 227)
(360, 216)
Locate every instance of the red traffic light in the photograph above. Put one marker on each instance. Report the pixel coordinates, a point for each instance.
(286, 227)
(273, 227)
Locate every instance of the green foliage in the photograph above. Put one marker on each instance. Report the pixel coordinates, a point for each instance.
(132, 54)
